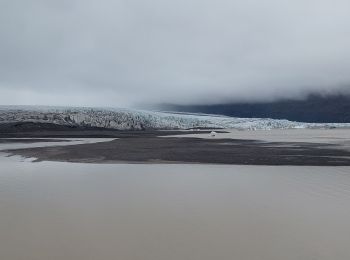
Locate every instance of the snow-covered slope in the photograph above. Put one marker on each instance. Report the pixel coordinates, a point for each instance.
(127, 119)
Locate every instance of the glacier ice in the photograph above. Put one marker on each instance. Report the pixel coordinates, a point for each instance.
(129, 119)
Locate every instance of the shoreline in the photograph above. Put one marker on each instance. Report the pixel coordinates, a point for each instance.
(162, 147)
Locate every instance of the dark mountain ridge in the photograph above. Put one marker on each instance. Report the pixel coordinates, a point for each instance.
(314, 109)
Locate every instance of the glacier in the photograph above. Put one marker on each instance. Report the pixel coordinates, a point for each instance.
(132, 119)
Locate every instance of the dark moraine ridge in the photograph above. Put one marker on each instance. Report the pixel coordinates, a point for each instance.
(28, 141)
(152, 149)
(49, 130)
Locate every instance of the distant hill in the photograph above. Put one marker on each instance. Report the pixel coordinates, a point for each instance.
(314, 109)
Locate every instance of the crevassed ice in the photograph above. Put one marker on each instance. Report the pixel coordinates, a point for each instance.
(128, 119)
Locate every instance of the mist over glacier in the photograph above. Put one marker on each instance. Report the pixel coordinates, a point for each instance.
(122, 53)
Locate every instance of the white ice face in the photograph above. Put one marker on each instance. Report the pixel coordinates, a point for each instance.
(127, 119)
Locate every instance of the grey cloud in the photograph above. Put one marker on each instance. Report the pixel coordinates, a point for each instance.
(119, 53)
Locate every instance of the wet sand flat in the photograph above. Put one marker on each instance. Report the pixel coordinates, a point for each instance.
(306, 147)
(53, 210)
(8, 144)
(340, 136)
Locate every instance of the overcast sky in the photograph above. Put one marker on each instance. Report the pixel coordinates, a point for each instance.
(125, 52)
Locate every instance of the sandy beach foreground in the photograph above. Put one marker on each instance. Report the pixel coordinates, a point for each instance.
(55, 210)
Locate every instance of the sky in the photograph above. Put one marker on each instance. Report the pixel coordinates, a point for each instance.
(123, 53)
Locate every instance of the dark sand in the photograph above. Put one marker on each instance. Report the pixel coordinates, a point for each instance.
(136, 147)
(28, 140)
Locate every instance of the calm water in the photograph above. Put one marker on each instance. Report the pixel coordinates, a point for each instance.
(52, 211)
